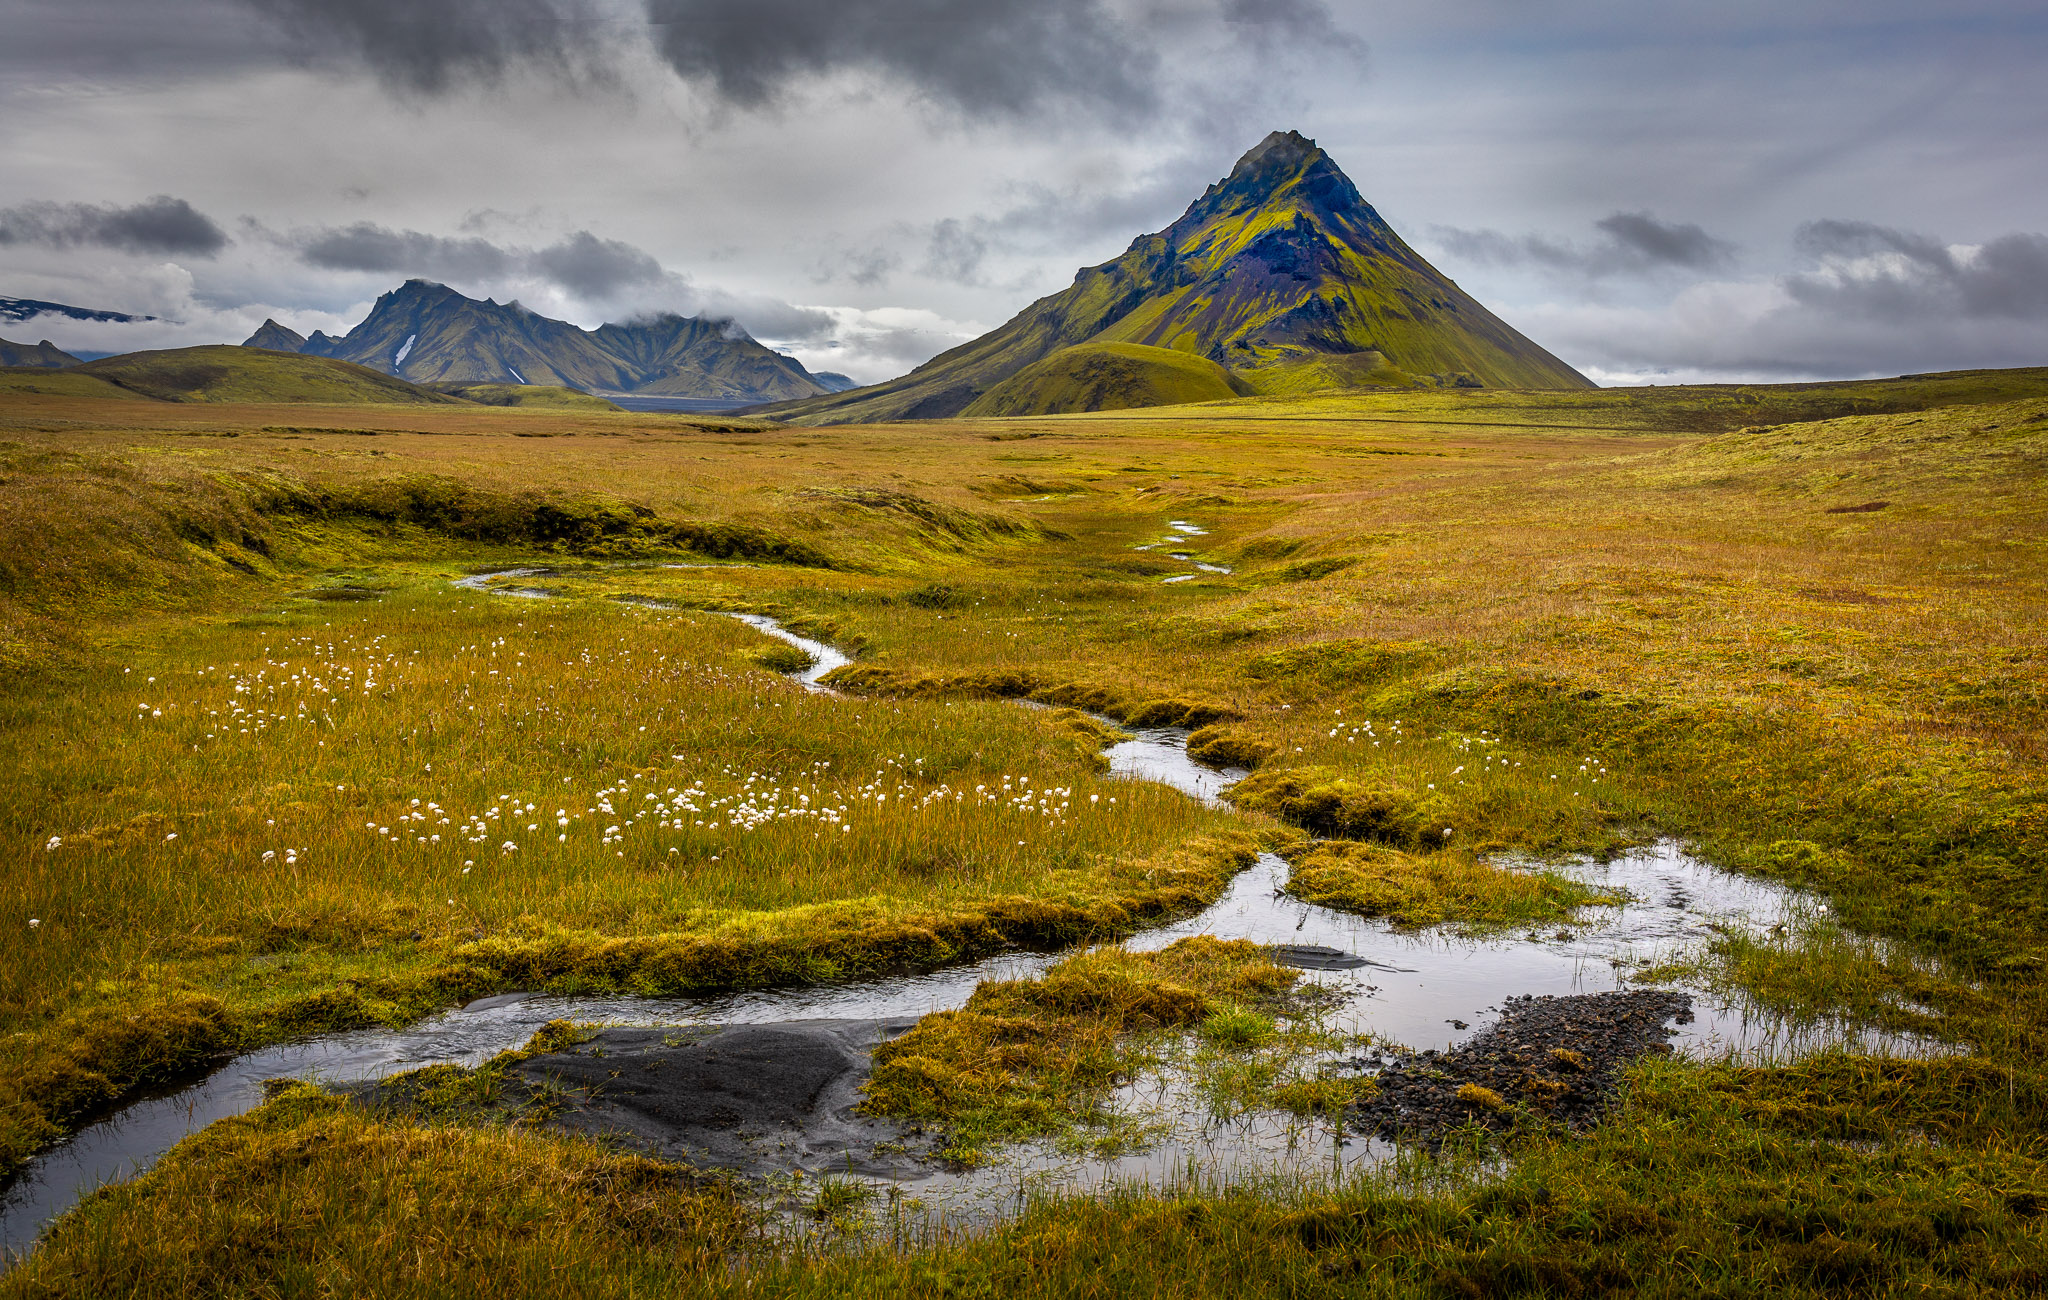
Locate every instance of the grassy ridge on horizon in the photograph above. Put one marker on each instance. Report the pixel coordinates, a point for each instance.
(1797, 624)
(551, 395)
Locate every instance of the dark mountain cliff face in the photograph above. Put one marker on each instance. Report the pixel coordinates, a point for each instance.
(429, 333)
(1275, 272)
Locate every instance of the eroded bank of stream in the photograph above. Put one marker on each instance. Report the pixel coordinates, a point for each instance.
(1423, 990)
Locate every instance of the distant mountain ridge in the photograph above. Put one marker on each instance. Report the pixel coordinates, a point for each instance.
(37, 356)
(1281, 273)
(22, 309)
(430, 334)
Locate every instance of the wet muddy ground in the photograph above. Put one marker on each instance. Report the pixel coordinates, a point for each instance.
(749, 1099)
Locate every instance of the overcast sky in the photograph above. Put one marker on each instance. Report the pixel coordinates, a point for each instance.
(1743, 189)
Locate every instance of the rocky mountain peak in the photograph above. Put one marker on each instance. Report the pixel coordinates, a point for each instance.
(1285, 167)
(275, 338)
(1281, 153)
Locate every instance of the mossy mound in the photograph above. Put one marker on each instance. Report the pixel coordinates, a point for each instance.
(1221, 746)
(1029, 1057)
(1109, 377)
(1328, 804)
(226, 373)
(1414, 890)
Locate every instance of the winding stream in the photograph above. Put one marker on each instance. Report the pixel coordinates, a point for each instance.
(1422, 989)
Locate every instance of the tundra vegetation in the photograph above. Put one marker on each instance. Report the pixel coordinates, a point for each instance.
(272, 772)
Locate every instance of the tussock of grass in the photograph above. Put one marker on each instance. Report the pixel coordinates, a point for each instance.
(1445, 886)
(1029, 1057)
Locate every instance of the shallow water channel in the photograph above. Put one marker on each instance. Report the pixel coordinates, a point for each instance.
(1424, 989)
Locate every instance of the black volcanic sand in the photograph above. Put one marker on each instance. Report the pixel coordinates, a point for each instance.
(1557, 1058)
(752, 1099)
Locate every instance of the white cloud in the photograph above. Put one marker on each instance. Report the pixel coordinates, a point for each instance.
(879, 343)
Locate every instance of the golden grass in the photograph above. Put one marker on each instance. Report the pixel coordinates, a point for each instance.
(350, 812)
(1545, 622)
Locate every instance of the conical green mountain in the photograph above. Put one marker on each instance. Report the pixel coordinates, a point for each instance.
(1282, 274)
(430, 334)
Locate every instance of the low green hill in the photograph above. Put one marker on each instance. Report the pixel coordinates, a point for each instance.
(61, 383)
(552, 396)
(1109, 377)
(225, 373)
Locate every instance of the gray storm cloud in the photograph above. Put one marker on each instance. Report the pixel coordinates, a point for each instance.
(1874, 271)
(160, 225)
(366, 246)
(1629, 243)
(427, 46)
(595, 268)
(1872, 300)
(986, 57)
(580, 264)
(983, 58)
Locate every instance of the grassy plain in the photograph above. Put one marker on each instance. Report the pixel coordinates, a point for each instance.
(1454, 623)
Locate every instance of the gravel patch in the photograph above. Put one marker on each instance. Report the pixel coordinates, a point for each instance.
(1557, 1058)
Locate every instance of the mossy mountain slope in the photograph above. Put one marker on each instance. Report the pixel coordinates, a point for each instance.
(1281, 273)
(431, 334)
(39, 356)
(226, 373)
(1109, 377)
